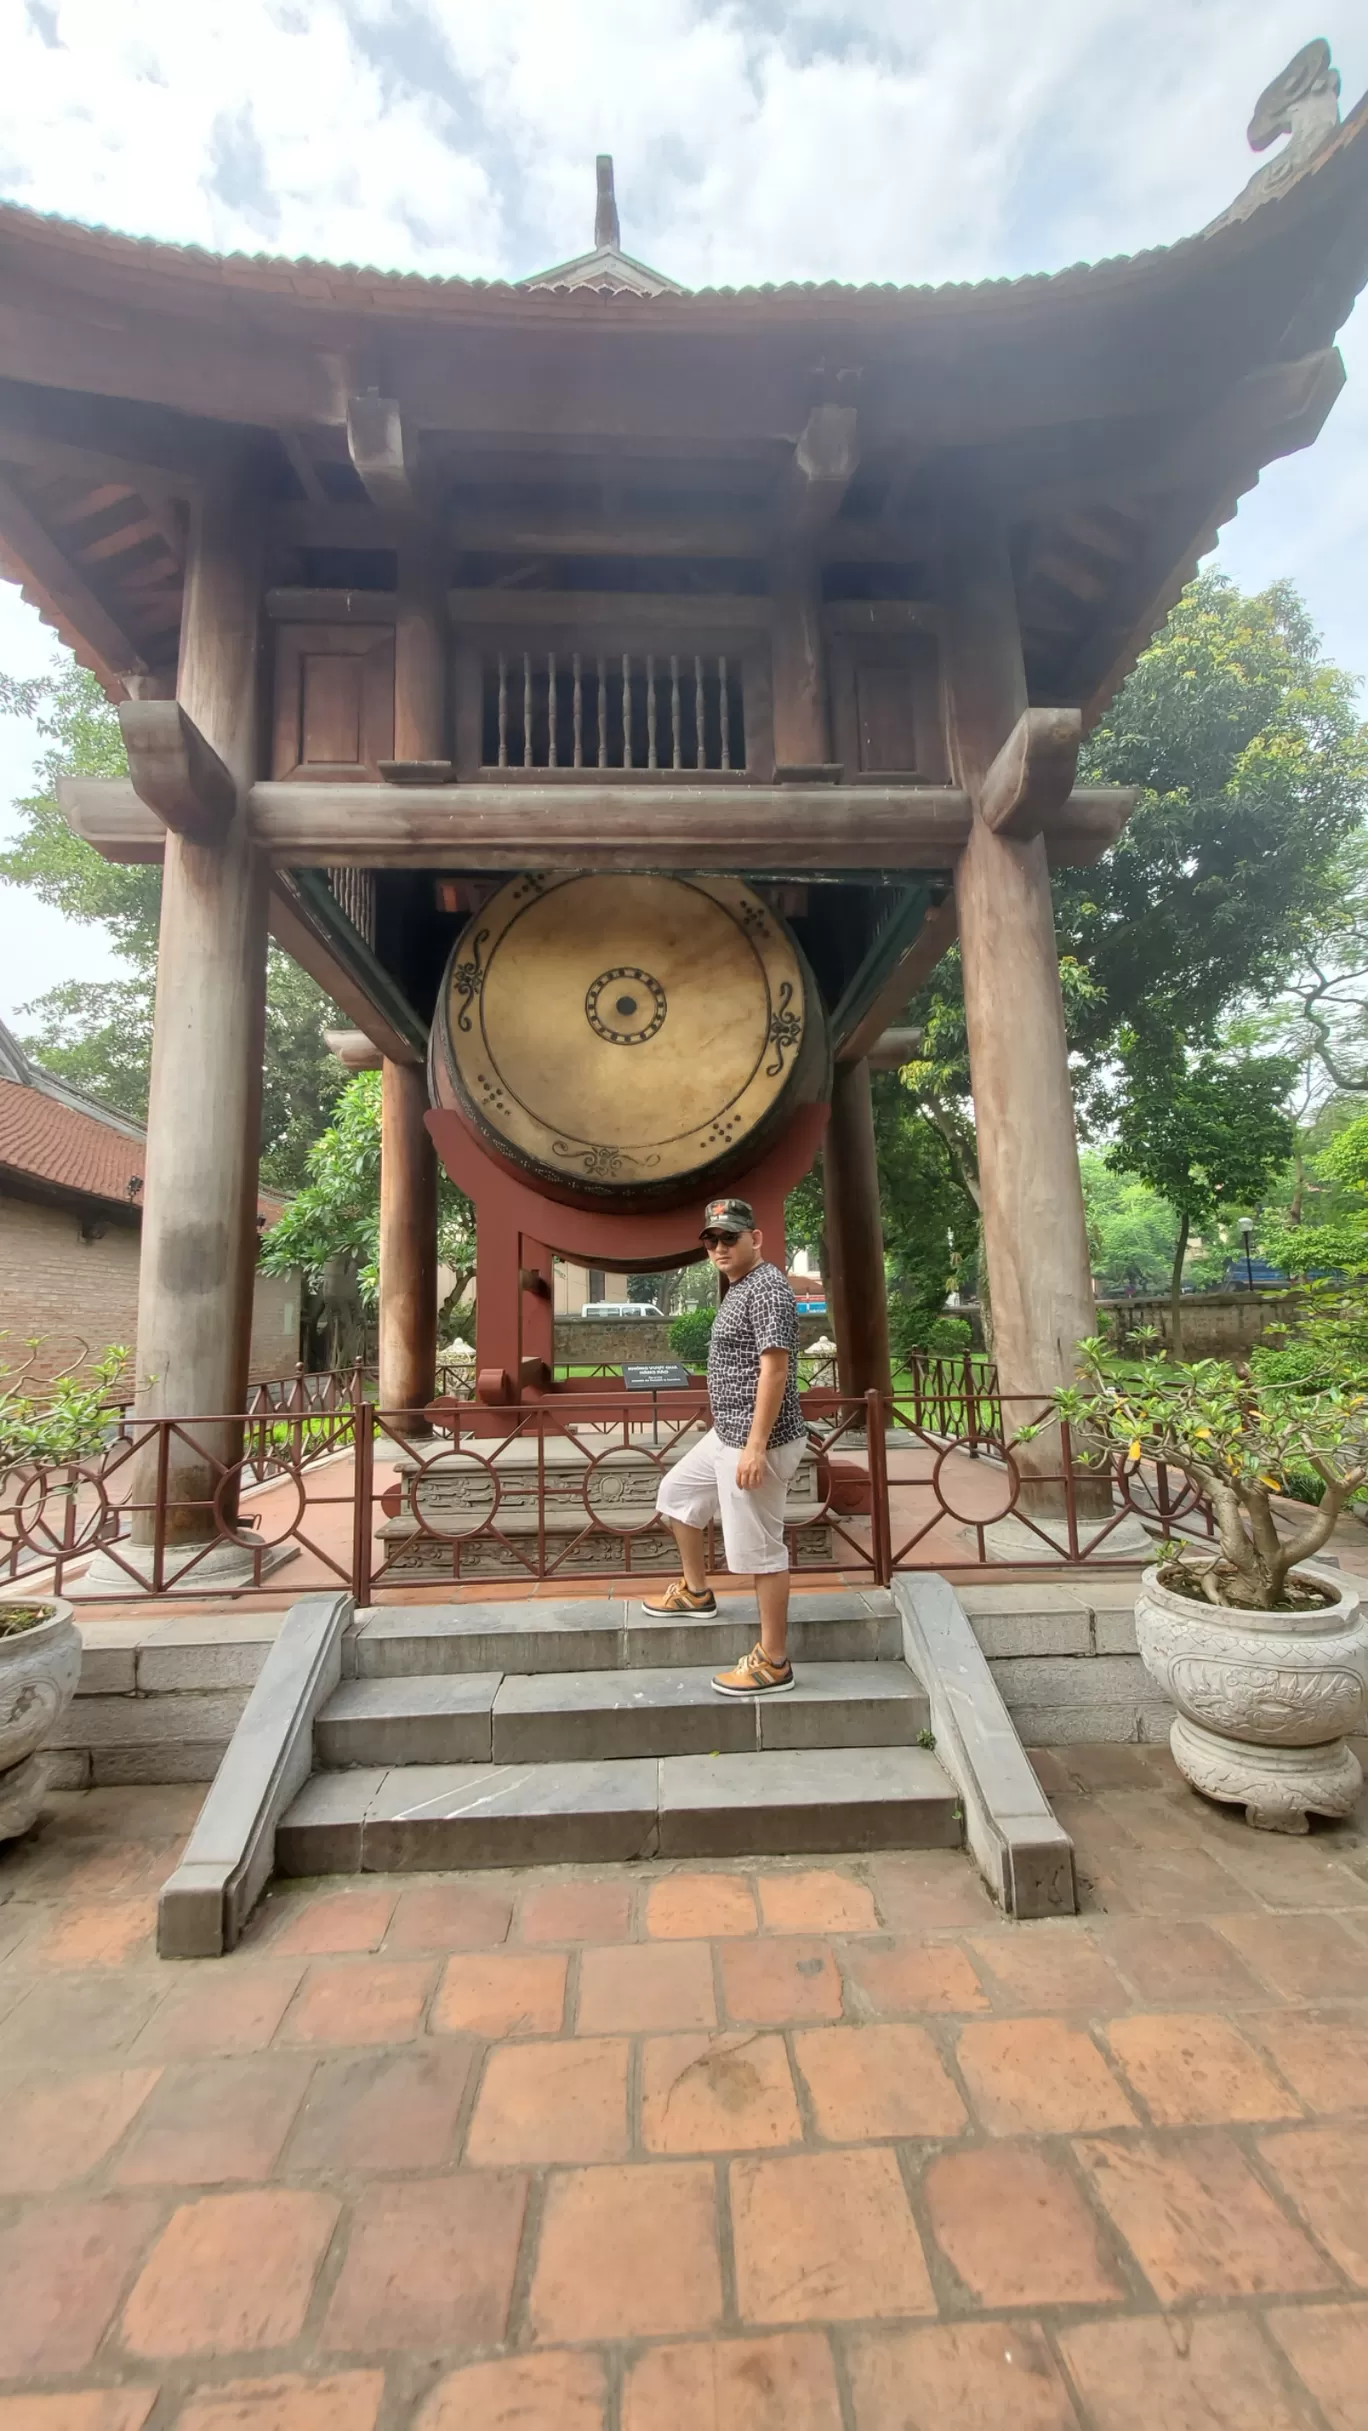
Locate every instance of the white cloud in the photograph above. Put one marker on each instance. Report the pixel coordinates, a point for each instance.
(754, 139)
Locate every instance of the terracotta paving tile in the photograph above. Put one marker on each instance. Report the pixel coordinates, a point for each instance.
(350, 2002)
(826, 2237)
(920, 1891)
(1103, 1764)
(816, 1903)
(1039, 2076)
(1198, 2222)
(700, 1907)
(211, 2121)
(430, 2265)
(339, 2401)
(1175, 1882)
(1322, 2053)
(875, 2081)
(235, 2006)
(1016, 2229)
(450, 1916)
(229, 2274)
(1328, 2346)
(646, 1987)
(1323, 2169)
(1179, 1960)
(1214, 2372)
(79, 2410)
(779, 1981)
(388, 2110)
(1287, 1874)
(55, 2134)
(911, 1978)
(329, 1923)
(972, 2376)
(783, 2383)
(556, 2392)
(80, 2021)
(1048, 1966)
(1303, 1957)
(99, 1936)
(628, 2253)
(717, 2093)
(1197, 2071)
(576, 1911)
(503, 1993)
(63, 2269)
(544, 2102)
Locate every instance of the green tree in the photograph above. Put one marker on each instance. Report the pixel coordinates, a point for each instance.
(335, 1219)
(1131, 1230)
(98, 1033)
(1332, 1236)
(930, 1222)
(1204, 1135)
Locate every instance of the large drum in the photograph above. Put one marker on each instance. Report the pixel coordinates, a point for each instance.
(630, 1040)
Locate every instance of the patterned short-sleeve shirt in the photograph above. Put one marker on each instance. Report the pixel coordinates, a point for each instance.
(757, 1314)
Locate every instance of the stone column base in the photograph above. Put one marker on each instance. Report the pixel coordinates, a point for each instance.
(227, 1565)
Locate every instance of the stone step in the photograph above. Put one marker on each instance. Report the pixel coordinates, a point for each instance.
(562, 1717)
(610, 1633)
(421, 1818)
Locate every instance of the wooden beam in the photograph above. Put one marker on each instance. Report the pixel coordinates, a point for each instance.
(60, 595)
(894, 1048)
(296, 932)
(175, 772)
(893, 939)
(1033, 773)
(921, 952)
(303, 467)
(1088, 824)
(824, 464)
(375, 440)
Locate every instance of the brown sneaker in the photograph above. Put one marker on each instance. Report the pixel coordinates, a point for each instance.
(679, 1598)
(755, 1676)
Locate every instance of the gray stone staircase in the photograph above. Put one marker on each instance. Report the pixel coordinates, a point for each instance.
(543, 1732)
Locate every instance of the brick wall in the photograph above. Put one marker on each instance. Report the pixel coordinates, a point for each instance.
(54, 1281)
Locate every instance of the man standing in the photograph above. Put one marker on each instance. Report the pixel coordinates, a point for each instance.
(740, 1472)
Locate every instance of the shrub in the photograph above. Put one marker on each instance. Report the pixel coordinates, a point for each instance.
(690, 1334)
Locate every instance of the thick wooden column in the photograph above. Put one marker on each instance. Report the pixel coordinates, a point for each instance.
(408, 1247)
(856, 1291)
(802, 721)
(1034, 1228)
(199, 1235)
(419, 659)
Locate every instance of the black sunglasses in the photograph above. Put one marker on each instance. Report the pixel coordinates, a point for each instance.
(712, 1239)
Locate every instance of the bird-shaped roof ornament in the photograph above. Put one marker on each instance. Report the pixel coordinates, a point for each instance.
(1303, 103)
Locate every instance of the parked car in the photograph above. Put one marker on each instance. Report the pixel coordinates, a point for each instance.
(621, 1308)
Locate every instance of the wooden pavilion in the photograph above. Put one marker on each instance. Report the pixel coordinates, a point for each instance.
(352, 550)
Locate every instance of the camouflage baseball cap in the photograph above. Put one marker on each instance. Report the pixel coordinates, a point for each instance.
(728, 1215)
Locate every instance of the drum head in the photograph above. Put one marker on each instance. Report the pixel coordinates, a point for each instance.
(624, 1029)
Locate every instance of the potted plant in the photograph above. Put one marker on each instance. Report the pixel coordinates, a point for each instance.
(46, 1423)
(1264, 1656)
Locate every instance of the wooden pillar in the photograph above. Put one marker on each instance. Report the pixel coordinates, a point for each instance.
(802, 722)
(1035, 1233)
(199, 1234)
(408, 1249)
(856, 1293)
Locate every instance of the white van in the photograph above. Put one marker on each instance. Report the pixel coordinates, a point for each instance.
(621, 1308)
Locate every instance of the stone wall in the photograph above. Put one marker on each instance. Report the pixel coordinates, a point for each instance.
(1216, 1325)
(609, 1341)
(1064, 1658)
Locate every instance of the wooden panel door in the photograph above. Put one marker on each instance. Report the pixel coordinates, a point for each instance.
(886, 708)
(334, 701)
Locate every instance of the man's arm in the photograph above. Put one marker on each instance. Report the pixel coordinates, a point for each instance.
(753, 1465)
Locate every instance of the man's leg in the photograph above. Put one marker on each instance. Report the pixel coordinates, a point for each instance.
(693, 1550)
(772, 1596)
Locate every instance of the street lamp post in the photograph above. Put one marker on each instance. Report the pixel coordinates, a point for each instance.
(1247, 1229)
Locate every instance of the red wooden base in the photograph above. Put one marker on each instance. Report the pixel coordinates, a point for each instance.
(517, 1232)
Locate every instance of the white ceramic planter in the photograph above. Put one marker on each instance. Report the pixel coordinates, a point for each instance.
(1264, 1698)
(39, 1670)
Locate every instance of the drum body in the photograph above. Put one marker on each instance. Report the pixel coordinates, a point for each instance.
(628, 1040)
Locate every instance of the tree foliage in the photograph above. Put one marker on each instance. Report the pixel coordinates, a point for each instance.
(98, 1033)
(336, 1216)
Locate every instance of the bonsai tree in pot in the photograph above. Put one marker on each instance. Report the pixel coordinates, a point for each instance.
(47, 1422)
(1265, 1659)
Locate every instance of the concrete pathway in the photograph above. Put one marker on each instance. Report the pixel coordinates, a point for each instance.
(807, 2147)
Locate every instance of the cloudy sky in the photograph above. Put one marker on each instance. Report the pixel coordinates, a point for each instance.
(754, 139)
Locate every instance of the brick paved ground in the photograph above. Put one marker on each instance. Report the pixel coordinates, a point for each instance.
(769, 2148)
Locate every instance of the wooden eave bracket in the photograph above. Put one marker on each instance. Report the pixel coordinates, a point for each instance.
(375, 441)
(825, 462)
(176, 772)
(1033, 774)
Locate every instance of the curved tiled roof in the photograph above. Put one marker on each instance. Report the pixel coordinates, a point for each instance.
(54, 1143)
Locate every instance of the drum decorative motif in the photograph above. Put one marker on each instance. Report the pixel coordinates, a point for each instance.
(627, 1035)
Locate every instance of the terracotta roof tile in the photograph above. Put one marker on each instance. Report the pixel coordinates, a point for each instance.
(53, 1143)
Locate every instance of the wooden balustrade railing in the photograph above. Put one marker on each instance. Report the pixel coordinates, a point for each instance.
(671, 711)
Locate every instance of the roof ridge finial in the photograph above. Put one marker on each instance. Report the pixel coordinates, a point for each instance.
(607, 231)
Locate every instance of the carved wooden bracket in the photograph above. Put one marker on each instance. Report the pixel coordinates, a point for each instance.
(175, 772)
(825, 462)
(375, 439)
(1033, 774)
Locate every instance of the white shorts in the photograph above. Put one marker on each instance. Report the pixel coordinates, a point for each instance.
(702, 1487)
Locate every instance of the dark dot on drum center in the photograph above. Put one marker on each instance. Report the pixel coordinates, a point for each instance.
(626, 1004)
